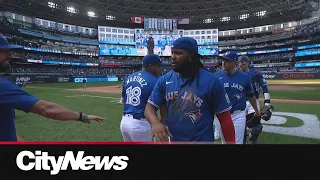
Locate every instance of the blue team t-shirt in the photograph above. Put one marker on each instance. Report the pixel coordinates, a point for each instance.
(12, 97)
(238, 87)
(190, 107)
(257, 80)
(136, 91)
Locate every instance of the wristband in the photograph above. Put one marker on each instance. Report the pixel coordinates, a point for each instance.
(85, 118)
(80, 118)
(267, 101)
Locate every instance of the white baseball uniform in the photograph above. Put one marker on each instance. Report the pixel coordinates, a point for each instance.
(239, 121)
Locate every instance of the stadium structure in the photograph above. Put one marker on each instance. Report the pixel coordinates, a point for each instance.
(103, 41)
(106, 40)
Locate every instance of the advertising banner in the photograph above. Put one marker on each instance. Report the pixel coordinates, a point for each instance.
(294, 75)
(27, 79)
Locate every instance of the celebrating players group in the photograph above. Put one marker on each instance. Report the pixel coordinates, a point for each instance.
(196, 105)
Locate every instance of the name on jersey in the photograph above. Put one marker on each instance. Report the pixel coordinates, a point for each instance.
(234, 85)
(138, 79)
(186, 96)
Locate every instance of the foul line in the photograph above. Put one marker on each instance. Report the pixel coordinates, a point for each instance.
(102, 97)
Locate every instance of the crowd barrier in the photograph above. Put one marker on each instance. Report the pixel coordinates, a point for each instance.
(28, 79)
(78, 79)
(292, 75)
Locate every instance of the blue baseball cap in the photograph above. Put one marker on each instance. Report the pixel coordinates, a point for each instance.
(187, 44)
(5, 45)
(151, 59)
(243, 58)
(230, 56)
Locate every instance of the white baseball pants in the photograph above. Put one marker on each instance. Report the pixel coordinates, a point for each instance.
(239, 121)
(249, 108)
(135, 130)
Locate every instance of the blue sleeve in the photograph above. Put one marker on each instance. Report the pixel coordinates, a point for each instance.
(14, 97)
(221, 102)
(157, 97)
(249, 88)
(263, 84)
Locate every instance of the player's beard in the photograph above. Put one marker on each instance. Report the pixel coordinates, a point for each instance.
(183, 68)
(4, 66)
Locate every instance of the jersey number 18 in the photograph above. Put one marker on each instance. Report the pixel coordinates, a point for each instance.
(133, 96)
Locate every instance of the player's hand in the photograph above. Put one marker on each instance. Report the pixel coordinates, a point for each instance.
(160, 132)
(95, 118)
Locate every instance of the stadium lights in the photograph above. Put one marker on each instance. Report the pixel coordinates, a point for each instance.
(244, 16)
(208, 20)
(224, 19)
(110, 17)
(260, 13)
(71, 9)
(91, 14)
(52, 5)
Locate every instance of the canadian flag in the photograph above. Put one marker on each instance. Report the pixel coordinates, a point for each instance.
(137, 20)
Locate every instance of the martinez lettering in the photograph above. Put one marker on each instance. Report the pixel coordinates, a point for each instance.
(42, 161)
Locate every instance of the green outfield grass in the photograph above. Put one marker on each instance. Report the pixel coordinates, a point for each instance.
(37, 128)
(296, 94)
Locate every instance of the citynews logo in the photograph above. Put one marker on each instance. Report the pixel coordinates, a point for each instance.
(42, 161)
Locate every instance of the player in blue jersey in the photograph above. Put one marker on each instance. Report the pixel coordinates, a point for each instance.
(258, 82)
(13, 97)
(192, 96)
(135, 93)
(239, 89)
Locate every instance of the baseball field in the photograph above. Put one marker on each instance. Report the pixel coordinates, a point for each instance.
(295, 120)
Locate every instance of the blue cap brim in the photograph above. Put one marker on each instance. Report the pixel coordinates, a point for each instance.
(10, 46)
(228, 59)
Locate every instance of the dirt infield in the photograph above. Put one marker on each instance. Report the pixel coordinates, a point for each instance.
(294, 101)
(103, 89)
(286, 88)
(292, 83)
(117, 90)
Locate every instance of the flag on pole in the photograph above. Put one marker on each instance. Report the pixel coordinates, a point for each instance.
(137, 20)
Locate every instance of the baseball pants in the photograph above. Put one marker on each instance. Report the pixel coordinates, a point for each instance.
(135, 130)
(249, 108)
(239, 121)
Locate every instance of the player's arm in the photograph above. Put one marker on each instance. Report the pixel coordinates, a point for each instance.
(163, 114)
(264, 86)
(155, 102)
(16, 98)
(222, 106)
(252, 98)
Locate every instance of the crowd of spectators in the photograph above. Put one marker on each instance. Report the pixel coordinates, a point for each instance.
(307, 29)
(73, 71)
(272, 56)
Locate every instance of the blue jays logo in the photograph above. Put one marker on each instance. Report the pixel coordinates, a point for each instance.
(238, 96)
(194, 115)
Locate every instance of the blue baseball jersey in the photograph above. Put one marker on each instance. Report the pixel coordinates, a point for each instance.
(238, 87)
(12, 97)
(190, 106)
(135, 92)
(257, 81)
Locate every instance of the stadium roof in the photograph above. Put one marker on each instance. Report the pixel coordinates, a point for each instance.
(198, 11)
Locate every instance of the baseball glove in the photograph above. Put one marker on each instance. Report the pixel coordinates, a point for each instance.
(266, 112)
(254, 121)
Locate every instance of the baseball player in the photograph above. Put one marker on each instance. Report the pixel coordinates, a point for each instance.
(135, 93)
(13, 97)
(84, 83)
(258, 82)
(191, 96)
(238, 88)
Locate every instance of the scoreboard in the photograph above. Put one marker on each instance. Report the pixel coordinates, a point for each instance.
(160, 24)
